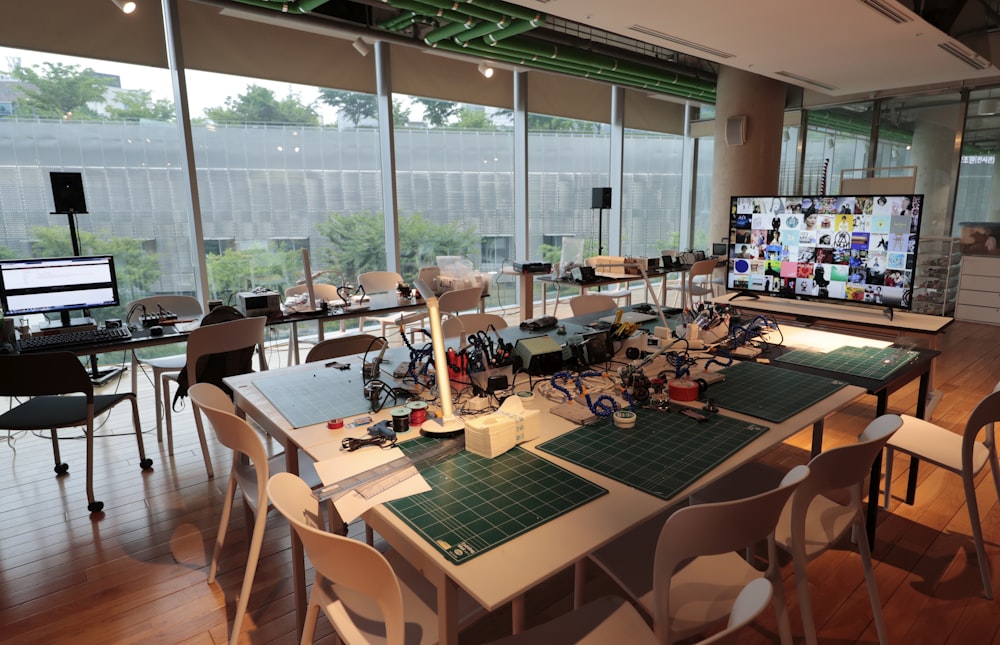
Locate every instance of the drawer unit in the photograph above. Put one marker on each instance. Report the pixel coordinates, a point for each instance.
(979, 290)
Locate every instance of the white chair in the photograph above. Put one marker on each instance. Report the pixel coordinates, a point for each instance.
(452, 303)
(184, 307)
(611, 619)
(962, 454)
(202, 342)
(813, 521)
(345, 346)
(616, 267)
(367, 596)
(251, 469)
(386, 282)
(696, 283)
(465, 324)
(590, 303)
(696, 574)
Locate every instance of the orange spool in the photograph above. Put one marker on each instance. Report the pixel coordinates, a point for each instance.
(685, 390)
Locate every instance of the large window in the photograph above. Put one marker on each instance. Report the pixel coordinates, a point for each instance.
(652, 186)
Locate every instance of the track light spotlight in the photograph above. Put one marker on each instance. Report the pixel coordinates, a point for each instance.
(485, 69)
(127, 6)
(361, 46)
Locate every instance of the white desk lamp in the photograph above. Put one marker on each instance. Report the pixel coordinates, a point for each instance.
(448, 423)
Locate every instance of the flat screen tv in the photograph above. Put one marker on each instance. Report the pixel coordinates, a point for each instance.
(855, 248)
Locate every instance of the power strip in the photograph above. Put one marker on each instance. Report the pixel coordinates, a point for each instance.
(150, 320)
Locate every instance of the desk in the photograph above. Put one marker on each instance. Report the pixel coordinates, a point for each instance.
(601, 280)
(505, 573)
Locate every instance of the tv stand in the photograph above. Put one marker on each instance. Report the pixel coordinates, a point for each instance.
(889, 313)
(743, 293)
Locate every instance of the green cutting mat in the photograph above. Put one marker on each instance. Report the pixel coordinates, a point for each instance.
(476, 504)
(662, 455)
(868, 362)
(305, 397)
(768, 392)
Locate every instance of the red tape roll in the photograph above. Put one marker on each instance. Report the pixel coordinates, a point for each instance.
(335, 424)
(683, 390)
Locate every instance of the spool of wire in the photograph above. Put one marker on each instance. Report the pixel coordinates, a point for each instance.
(418, 413)
(400, 419)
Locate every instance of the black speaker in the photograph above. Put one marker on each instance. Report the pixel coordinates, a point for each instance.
(600, 198)
(67, 192)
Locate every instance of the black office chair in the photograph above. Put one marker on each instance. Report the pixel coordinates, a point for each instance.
(46, 375)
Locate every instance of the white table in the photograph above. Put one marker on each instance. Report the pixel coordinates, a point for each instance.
(505, 573)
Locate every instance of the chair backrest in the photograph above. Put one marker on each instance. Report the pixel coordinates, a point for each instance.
(986, 413)
(465, 324)
(232, 431)
(345, 346)
(452, 302)
(700, 268)
(180, 305)
(713, 529)
(751, 601)
(63, 374)
(222, 338)
(379, 281)
(341, 560)
(843, 467)
(589, 303)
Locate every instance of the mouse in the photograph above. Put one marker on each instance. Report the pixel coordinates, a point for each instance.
(156, 330)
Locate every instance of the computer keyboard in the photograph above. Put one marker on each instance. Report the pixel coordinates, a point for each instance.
(74, 339)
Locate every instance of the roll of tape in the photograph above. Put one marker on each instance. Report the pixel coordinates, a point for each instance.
(624, 419)
(683, 390)
(335, 424)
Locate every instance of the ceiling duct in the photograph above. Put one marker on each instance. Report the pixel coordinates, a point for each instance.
(705, 49)
(808, 81)
(887, 10)
(967, 57)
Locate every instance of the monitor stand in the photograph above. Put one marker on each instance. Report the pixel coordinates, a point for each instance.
(743, 293)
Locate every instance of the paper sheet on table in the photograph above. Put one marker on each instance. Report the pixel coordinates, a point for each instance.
(352, 505)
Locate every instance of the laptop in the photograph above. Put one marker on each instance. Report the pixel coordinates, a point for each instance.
(629, 317)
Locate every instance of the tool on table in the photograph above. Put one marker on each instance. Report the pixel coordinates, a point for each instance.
(381, 478)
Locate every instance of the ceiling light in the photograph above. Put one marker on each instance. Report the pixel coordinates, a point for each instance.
(361, 46)
(485, 69)
(127, 6)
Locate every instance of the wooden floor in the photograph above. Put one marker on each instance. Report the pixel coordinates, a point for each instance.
(137, 573)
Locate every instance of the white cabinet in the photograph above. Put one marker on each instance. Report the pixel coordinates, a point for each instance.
(935, 284)
(979, 290)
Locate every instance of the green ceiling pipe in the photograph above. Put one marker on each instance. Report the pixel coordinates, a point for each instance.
(448, 31)
(598, 61)
(305, 6)
(460, 8)
(390, 24)
(505, 8)
(563, 68)
(433, 12)
(482, 29)
(518, 27)
(302, 6)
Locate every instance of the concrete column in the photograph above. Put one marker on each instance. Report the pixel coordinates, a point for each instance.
(933, 155)
(750, 168)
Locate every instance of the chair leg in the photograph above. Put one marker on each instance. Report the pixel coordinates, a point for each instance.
(312, 614)
(144, 462)
(220, 537)
(93, 505)
(802, 587)
(159, 405)
(248, 576)
(61, 468)
(168, 417)
(888, 476)
(977, 532)
(204, 444)
(866, 563)
(780, 606)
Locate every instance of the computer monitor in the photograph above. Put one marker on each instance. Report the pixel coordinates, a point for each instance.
(58, 285)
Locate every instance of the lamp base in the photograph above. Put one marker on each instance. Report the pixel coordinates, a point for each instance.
(443, 427)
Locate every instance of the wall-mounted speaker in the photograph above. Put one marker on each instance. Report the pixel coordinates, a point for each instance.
(67, 192)
(600, 198)
(736, 130)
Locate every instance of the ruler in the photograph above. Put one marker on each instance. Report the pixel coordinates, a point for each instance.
(376, 480)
